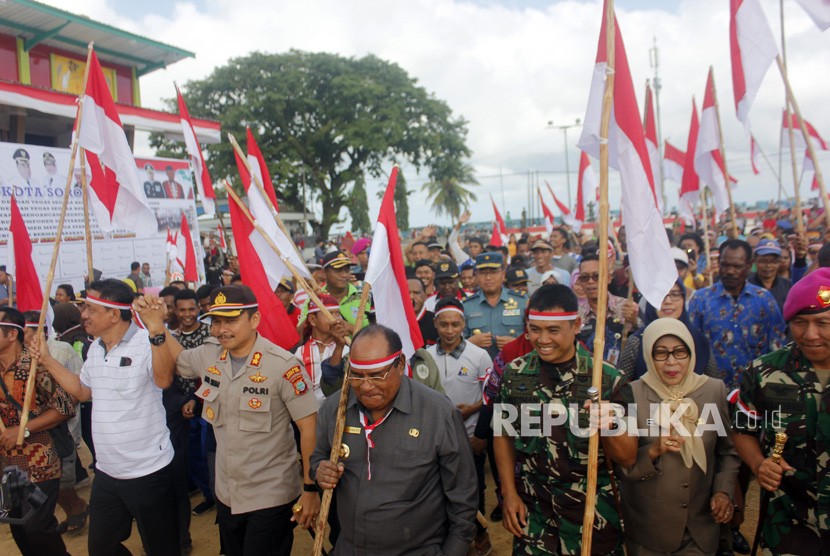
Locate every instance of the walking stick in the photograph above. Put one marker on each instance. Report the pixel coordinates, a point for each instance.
(777, 450)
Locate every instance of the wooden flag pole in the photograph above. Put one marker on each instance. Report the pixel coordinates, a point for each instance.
(286, 261)
(727, 183)
(706, 246)
(30, 381)
(782, 65)
(274, 211)
(87, 232)
(11, 289)
(602, 301)
(807, 139)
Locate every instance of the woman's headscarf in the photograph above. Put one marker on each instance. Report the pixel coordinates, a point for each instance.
(701, 343)
(692, 450)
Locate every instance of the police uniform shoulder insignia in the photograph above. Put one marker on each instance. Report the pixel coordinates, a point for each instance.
(294, 375)
(257, 378)
(256, 359)
(292, 372)
(209, 413)
(254, 403)
(223, 355)
(214, 371)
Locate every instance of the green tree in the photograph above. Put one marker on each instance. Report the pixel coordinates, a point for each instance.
(334, 118)
(401, 202)
(359, 207)
(446, 190)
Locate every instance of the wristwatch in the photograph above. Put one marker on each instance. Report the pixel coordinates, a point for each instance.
(310, 487)
(158, 339)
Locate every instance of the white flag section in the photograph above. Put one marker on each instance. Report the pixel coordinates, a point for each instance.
(673, 162)
(649, 252)
(753, 50)
(651, 145)
(197, 161)
(708, 161)
(387, 276)
(116, 193)
(819, 12)
(798, 136)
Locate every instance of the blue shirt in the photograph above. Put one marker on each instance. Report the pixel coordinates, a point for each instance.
(505, 319)
(740, 330)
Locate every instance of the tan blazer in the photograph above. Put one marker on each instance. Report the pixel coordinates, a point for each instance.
(663, 498)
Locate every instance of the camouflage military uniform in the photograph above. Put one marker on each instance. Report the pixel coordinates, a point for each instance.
(784, 382)
(552, 469)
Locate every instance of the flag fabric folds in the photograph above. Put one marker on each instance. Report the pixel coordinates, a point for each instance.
(387, 275)
(222, 243)
(819, 12)
(587, 190)
(652, 145)
(197, 161)
(116, 193)
(275, 324)
(648, 246)
(21, 265)
(546, 212)
(567, 217)
(259, 168)
(191, 272)
(753, 49)
(690, 183)
(708, 161)
(502, 229)
(798, 138)
(673, 162)
(754, 155)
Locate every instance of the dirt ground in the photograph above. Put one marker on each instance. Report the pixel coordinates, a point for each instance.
(206, 537)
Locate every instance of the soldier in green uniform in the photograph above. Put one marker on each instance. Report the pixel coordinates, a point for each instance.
(494, 313)
(786, 391)
(542, 459)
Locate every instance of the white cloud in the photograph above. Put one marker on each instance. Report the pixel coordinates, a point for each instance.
(507, 70)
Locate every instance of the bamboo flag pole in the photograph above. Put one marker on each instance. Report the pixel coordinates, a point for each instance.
(807, 139)
(725, 169)
(782, 65)
(286, 261)
(11, 289)
(706, 246)
(87, 232)
(30, 381)
(274, 212)
(602, 301)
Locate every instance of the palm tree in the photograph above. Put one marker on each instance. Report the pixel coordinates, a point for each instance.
(446, 189)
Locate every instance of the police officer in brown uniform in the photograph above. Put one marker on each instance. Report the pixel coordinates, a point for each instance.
(252, 390)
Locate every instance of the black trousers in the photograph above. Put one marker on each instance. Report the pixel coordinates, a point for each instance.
(179, 437)
(38, 536)
(266, 532)
(150, 500)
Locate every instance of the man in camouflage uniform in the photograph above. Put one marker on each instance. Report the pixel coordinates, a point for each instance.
(544, 504)
(785, 391)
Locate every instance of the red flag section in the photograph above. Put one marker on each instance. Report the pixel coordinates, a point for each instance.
(29, 292)
(191, 272)
(690, 184)
(275, 325)
(495, 237)
(387, 275)
(651, 143)
(197, 160)
(567, 217)
(793, 122)
(222, 243)
(674, 161)
(548, 215)
(258, 167)
(708, 160)
(754, 154)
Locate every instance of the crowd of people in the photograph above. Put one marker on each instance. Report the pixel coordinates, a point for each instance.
(177, 392)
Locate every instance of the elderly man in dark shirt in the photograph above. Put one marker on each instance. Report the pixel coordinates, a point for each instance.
(406, 483)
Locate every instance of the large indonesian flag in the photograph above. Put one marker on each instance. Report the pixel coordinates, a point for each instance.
(20, 263)
(117, 195)
(275, 324)
(819, 12)
(502, 229)
(690, 183)
(652, 145)
(191, 272)
(259, 168)
(197, 161)
(387, 276)
(673, 162)
(567, 217)
(798, 137)
(753, 49)
(648, 245)
(708, 160)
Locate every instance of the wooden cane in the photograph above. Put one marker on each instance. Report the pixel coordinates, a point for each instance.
(778, 449)
(87, 232)
(602, 301)
(30, 381)
(722, 150)
(274, 212)
(286, 261)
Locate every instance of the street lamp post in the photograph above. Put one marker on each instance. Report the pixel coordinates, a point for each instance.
(564, 129)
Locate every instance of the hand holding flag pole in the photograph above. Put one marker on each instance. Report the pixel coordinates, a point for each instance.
(275, 214)
(30, 381)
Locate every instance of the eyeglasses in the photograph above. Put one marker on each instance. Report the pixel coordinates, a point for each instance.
(374, 379)
(674, 295)
(679, 353)
(589, 277)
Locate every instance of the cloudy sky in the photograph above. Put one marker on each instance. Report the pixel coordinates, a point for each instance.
(508, 66)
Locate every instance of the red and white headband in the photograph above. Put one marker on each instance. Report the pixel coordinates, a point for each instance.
(109, 304)
(545, 315)
(12, 325)
(32, 324)
(312, 308)
(376, 364)
(447, 309)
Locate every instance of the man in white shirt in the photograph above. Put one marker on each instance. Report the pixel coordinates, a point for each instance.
(132, 442)
(543, 259)
(326, 342)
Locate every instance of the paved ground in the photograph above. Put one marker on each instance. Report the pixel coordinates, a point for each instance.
(206, 537)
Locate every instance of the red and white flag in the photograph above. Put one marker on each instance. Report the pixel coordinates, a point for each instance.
(819, 12)
(20, 263)
(753, 49)
(808, 171)
(754, 155)
(649, 252)
(387, 275)
(798, 137)
(673, 162)
(708, 160)
(221, 231)
(259, 168)
(191, 271)
(546, 212)
(116, 193)
(567, 217)
(652, 144)
(690, 183)
(275, 324)
(197, 161)
(587, 190)
(495, 237)
(500, 222)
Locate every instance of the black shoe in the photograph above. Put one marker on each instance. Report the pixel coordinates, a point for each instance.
(203, 507)
(739, 543)
(496, 514)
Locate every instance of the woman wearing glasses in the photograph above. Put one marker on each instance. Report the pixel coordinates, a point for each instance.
(632, 363)
(686, 463)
